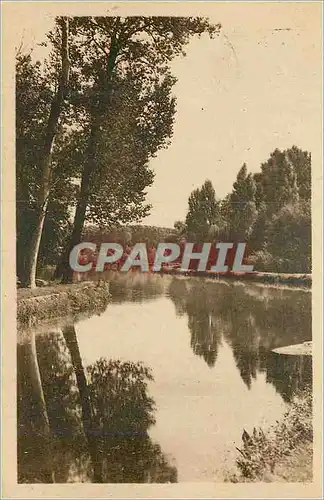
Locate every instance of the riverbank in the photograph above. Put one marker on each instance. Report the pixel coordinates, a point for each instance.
(54, 301)
(283, 453)
(293, 280)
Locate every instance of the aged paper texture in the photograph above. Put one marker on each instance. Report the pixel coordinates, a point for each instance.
(161, 255)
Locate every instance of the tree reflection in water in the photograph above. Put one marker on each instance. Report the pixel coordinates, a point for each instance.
(121, 412)
(289, 374)
(253, 321)
(135, 287)
(99, 416)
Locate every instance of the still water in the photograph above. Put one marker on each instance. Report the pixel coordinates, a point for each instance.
(175, 369)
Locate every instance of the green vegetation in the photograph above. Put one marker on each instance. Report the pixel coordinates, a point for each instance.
(126, 234)
(251, 320)
(203, 213)
(270, 211)
(267, 455)
(89, 120)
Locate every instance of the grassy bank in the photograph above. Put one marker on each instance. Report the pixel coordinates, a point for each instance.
(56, 301)
(283, 452)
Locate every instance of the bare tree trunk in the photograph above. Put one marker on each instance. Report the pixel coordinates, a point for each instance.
(72, 343)
(46, 158)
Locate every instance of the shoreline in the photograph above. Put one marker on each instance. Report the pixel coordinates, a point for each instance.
(56, 301)
(293, 280)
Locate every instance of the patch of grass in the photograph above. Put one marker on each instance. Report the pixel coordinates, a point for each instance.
(267, 455)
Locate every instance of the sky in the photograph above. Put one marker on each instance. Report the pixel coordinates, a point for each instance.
(254, 88)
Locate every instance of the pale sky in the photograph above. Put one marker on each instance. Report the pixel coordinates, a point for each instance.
(254, 88)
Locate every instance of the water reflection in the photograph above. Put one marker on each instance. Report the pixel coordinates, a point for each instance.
(289, 374)
(92, 420)
(59, 388)
(252, 323)
(99, 419)
(135, 287)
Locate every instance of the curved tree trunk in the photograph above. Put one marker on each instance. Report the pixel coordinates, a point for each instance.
(72, 343)
(46, 159)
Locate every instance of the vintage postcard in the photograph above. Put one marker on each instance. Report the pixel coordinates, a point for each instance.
(161, 254)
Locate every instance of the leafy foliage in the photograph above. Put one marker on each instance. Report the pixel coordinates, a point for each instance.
(128, 234)
(203, 211)
(242, 211)
(289, 237)
(252, 324)
(33, 97)
(270, 211)
(107, 380)
(117, 113)
(124, 78)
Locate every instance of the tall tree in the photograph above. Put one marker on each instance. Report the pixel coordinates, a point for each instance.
(140, 122)
(302, 163)
(284, 181)
(242, 206)
(33, 99)
(203, 210)
(44, 159)
(110, 49)
(279, 181)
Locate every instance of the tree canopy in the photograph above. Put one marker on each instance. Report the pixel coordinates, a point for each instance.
(89, 121)
(270, 211)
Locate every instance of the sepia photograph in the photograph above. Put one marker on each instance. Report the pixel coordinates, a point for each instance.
(162, 196)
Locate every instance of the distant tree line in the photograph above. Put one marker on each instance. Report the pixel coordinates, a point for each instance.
(130, 234)
(269, 210)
